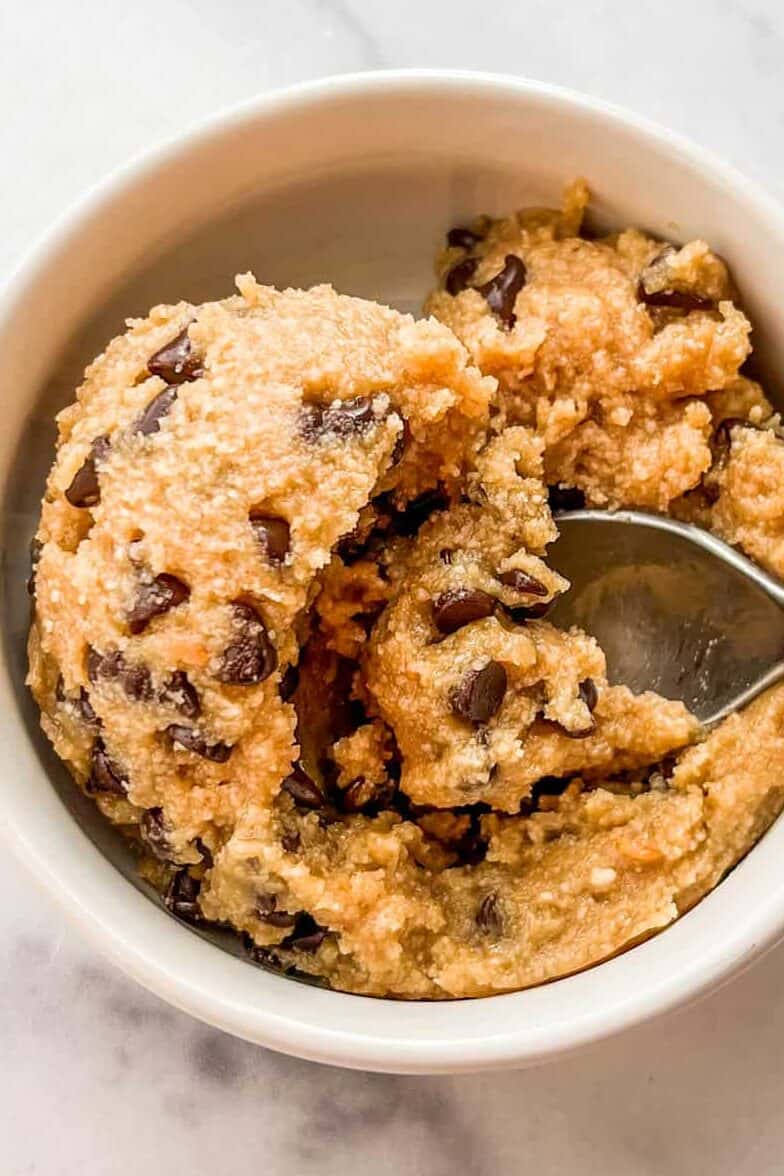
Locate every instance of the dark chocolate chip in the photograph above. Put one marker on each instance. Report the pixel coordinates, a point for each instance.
(36, 547)
(488, 916)
(461, 238)
(135, 680)
(178, 691)
(346, 418)
(459, 276)
(266, 905)
(445, 554)
(588, 693)
(250, 657)
(303, 791)
(650, 291)
(461, 606)
(565, 498)
(181, 898)
(176, 362)
(84, 490)
(84, 709)
(154, 599)
(362, 796)
(193, 740)
(289, 683)
(150, 420)
(502, 290)
(105, 775)
(523, 582)
(307, 935)
(273, 534)
(153, 831)
(480, 694)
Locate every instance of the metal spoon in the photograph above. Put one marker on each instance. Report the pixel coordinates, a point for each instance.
(675, 609)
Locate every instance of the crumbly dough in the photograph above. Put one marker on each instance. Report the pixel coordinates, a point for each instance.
(290, 608)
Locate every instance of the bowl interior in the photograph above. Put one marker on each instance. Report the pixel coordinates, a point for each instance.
(353, 184)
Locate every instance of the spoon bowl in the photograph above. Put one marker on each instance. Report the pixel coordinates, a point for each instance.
(675, 609)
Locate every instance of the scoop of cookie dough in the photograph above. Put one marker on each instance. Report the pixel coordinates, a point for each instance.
(213, 458)
(600, 344)
(484, 699)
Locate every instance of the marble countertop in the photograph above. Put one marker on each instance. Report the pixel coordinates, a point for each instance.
(99, 1078)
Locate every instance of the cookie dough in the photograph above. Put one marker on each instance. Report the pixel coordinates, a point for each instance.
(290, 608)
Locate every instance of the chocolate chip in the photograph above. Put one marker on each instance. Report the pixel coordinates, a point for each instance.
(135, 680)
(303, 791)
(461, 606)
(363, 796)
(154, 599)
(193, 740)
(653, 288)
(502, 290)
(289, 683)
(250, 657)
(36, 547)
(150, 420)
(460, 275)
(488, 916)
(461, 238)
(84, 709)
(176, 362)
(273, 534)
(530, 612)
(180, 693)
(181, 898)
(266, 905)
(153, 831)
(523, 582)
(307, 935)
(445, 555)
(105, 776)
(480, 694)
(346, 418)
(84, 490)
(588, 693)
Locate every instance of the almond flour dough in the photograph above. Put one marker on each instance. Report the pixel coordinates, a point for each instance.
(290, 609)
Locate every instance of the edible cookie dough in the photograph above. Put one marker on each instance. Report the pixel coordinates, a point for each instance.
(291, 589)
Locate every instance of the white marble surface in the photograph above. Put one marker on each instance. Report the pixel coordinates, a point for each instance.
(97, 1078)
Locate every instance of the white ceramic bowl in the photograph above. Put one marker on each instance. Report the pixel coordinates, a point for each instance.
(352, 180)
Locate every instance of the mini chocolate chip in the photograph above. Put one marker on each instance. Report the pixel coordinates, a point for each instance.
(150, 420)
(346, 418)
(502, 290)
(480, 694)
(588, 693)
(307, 935)
(180, 693)
(84, 709)
(461, 238)
(675, 299)
(194, 741)
(289, 683)
(565, 498)
(181, 898)
(154, 599)
(153, 831)
(523, 582)
(266, 905)
(460, 275)
(84, 490)
(176, 362)
(302, 790)
(135, 680)
(461, 606)
(105, 776)
(36, 547)
(273, 534)
(250, 657)
(488, 916)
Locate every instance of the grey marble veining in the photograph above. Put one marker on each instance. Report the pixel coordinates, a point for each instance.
(97, 1077)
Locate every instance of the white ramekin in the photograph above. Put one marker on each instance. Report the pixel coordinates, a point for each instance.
(354, 180)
